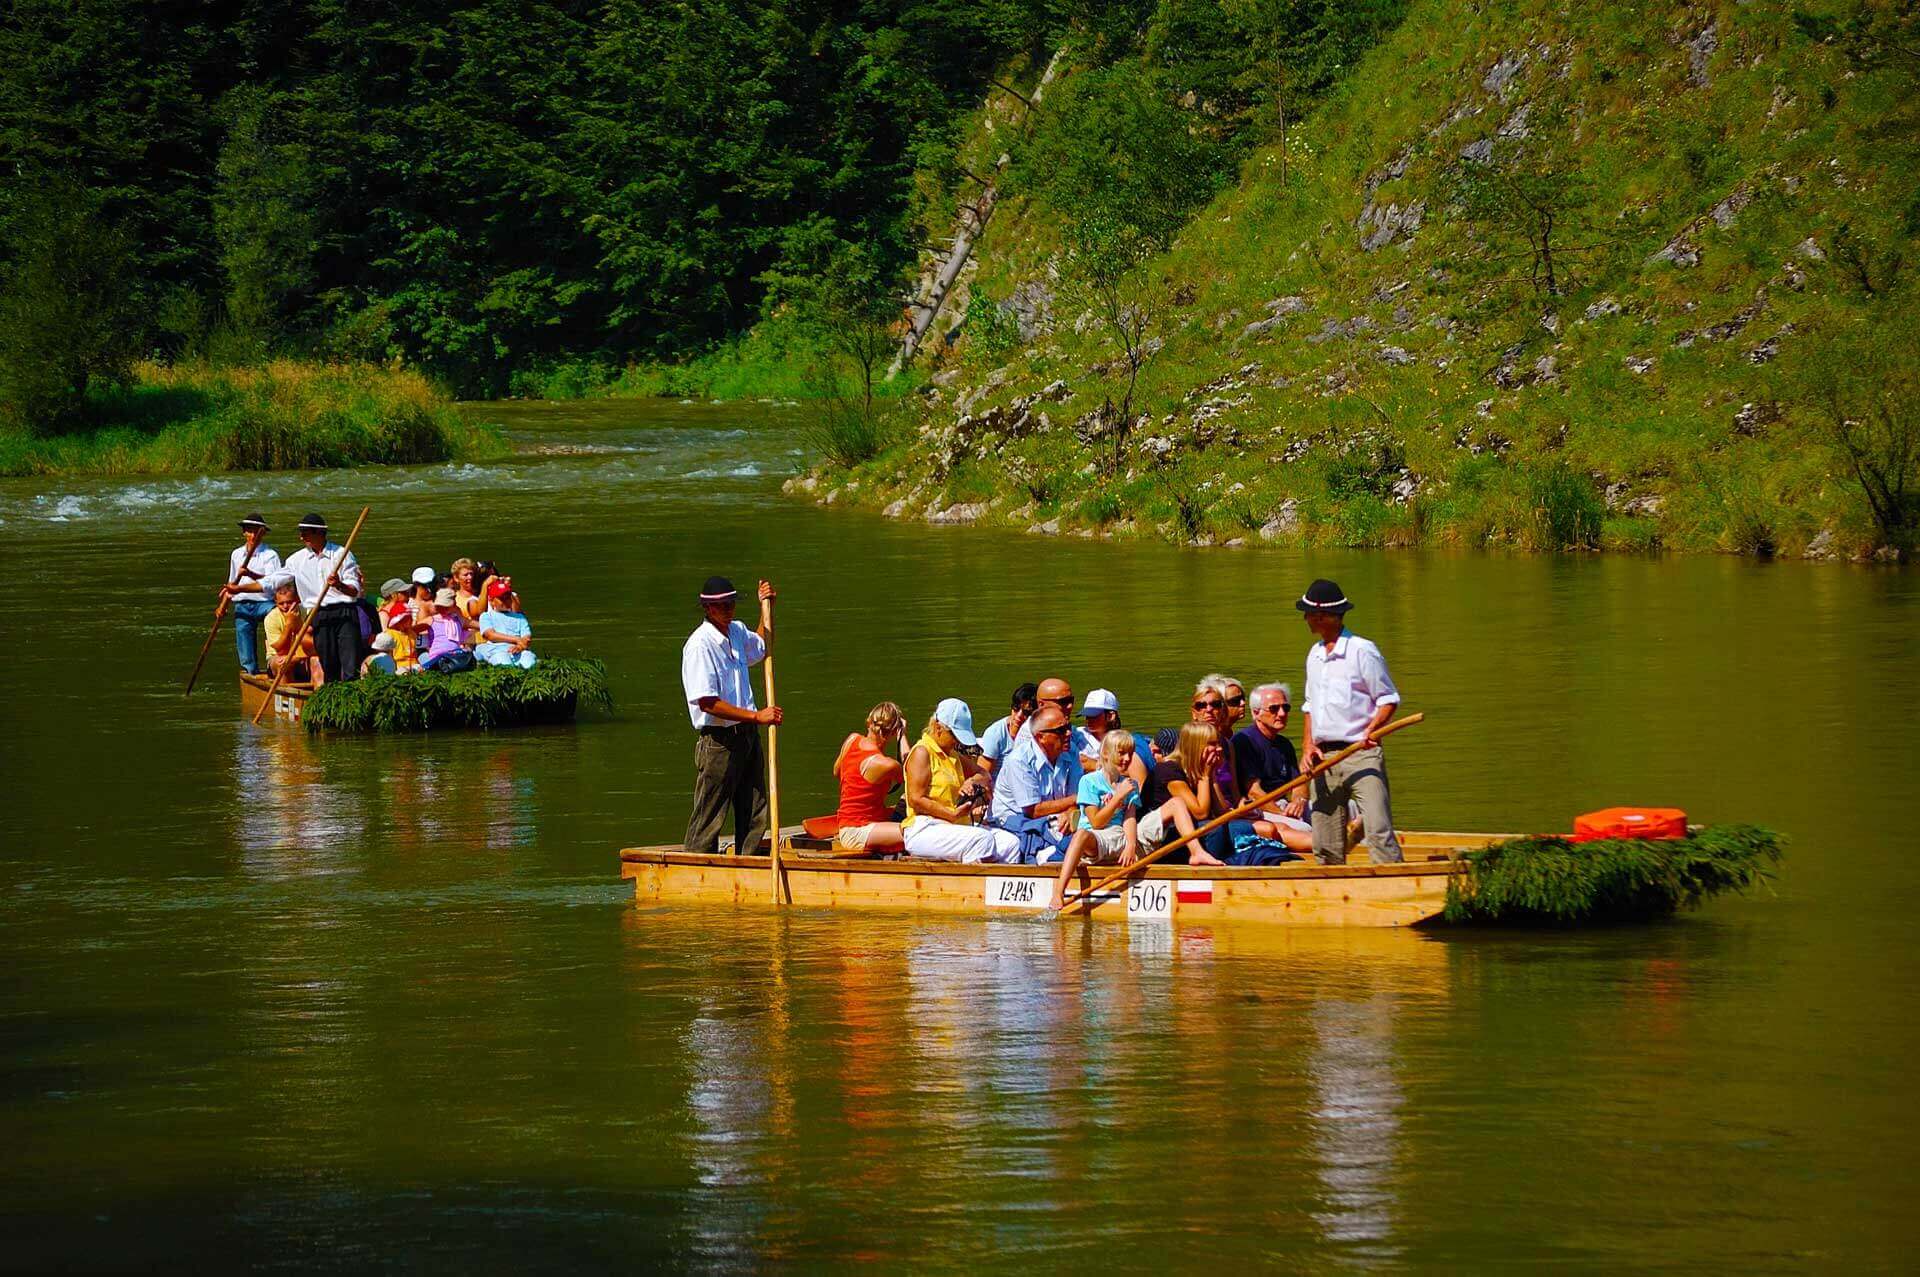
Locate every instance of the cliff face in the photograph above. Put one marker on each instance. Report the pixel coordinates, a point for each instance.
(1536, 274)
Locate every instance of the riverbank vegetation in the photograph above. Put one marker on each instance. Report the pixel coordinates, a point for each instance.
(487, 697)
(1546, 880)
(278, 415)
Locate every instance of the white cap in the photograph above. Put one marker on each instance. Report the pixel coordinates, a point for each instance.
(1100, 701)
(425, 576)
(383, 642)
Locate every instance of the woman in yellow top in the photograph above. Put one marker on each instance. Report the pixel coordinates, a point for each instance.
(947, 791)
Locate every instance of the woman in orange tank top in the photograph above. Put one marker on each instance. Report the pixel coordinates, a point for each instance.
(866, 774)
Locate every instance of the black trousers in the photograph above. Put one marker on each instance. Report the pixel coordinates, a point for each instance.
(336, 637)
(729, 775)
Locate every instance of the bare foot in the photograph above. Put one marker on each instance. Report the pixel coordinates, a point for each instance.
(1204, 858)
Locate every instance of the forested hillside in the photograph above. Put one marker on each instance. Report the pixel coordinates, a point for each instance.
(473, 187)
(1529, 274)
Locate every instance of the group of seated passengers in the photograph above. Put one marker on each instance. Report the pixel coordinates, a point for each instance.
(469, 617)
(1033, 788)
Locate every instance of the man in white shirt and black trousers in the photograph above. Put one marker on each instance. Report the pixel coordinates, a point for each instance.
(252, 562)
(336, 625)
(1350, 696)
(729, 764)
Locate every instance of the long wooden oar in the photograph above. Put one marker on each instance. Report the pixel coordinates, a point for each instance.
(773, 773)
(219, 615)
(318, 602)
(1303, 778)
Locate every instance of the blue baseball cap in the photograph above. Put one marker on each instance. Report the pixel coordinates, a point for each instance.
(958, 719)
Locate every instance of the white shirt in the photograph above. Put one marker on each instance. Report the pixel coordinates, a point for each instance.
(308, 572)
(1345, 687)
(266, 565)
(715, 664)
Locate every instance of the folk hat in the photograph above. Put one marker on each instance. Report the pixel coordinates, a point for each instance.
(425, 576)
(255, 521)
(446, 598)
(314, 523)
(954, 715)
(1100, 701)
(1324, 596)
(717, 590)
(394, 585)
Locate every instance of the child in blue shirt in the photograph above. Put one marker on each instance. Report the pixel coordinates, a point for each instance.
(506, 638)
(1109, 832)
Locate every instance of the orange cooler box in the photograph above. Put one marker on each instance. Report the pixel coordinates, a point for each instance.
(1631, 822)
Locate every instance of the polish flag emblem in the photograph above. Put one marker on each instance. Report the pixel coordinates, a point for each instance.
(1193, 893)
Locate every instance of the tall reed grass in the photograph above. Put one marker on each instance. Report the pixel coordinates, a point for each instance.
(281, 415)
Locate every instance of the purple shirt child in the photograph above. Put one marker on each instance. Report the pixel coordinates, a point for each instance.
(445, 630)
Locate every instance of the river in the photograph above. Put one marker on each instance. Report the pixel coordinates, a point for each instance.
(356, 1003)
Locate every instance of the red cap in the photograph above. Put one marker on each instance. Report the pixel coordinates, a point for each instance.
(500, 587)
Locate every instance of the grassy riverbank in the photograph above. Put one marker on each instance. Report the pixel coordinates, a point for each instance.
(283, 415)
(1357, 341)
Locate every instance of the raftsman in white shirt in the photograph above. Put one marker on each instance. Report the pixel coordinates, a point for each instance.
(715, 664)
(1345, 687)
(265, 567)
(308, 572)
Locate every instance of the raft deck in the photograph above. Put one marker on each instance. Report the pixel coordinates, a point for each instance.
(1303, 893)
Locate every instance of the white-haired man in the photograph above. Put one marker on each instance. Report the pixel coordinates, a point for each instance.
(1263, 758)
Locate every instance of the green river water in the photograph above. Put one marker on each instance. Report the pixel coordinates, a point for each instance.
(384, 1003)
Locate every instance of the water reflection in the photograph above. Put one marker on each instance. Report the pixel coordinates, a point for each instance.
(1355, 1120)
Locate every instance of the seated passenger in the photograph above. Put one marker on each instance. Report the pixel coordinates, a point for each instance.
(1109, 799)
(867, 820)
(505, 637)
(1034, 789)
(1264, 760)
(279, 627)
(1210, 707)
(466, 592)
(380, 659)
(1180, 795)
(445, 651)
(946, 792)
(396, 620)
(1102, 712)
(1002, 732)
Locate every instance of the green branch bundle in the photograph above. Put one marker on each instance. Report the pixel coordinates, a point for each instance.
(1546, 879)
(490, 696)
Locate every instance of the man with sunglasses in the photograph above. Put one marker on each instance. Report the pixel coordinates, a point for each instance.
(1265, 761)
(1034, 790)
(1350, 696)
(1058, 693)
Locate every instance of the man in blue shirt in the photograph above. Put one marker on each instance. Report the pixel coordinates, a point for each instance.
(1033, 793)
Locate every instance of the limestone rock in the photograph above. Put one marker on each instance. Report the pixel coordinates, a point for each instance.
(1285, 520)
(1603, 308)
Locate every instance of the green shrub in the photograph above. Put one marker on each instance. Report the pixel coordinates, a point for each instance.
(490, 696)
(1546, 879)
(1567, 511)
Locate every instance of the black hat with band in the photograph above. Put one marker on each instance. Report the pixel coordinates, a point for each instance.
(1324, 596)
(717, 590)
(314, 523)
(255, 521)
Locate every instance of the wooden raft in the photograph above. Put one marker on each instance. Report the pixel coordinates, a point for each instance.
(1356, 894)
(289, 699)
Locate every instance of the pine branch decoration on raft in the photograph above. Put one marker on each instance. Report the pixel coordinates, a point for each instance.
(1549, 880)
(490, 696)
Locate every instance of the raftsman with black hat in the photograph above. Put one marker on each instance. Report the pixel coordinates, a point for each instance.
(729, 761)
(336, 618)
(1349, 697)
(252, 563)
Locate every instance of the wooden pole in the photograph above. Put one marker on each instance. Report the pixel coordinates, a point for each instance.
(307, 620)
(219, 615)
(773, 772)
(1303, 778)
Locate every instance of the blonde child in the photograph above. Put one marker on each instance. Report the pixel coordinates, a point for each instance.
(1109, 801)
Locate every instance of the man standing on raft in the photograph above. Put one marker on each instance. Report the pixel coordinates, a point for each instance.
(729, 764)
(1350, 696)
